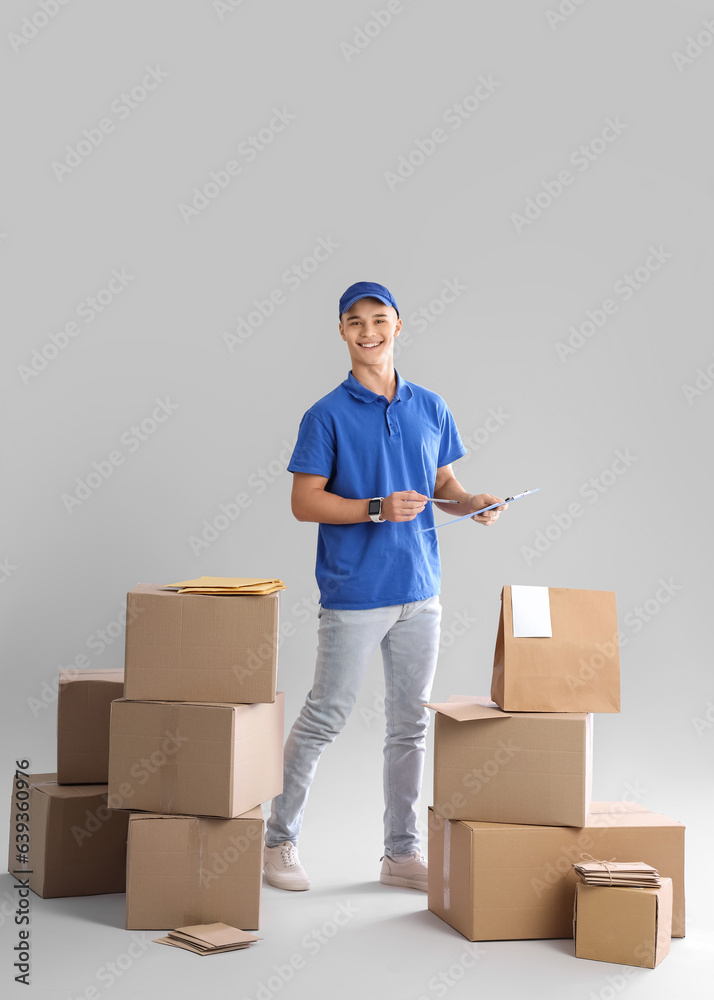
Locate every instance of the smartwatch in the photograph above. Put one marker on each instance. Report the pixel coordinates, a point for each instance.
(375, 509)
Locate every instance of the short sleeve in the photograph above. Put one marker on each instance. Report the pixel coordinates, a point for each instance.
(314, 450)
(451, 446)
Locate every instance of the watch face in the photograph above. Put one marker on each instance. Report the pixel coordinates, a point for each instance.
(375, 506)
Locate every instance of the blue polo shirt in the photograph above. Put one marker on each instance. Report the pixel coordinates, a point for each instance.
(367, 447)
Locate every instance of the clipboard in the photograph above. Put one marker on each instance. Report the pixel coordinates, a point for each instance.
(474, 513)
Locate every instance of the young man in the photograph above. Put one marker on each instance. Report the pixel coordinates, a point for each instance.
(369, 455)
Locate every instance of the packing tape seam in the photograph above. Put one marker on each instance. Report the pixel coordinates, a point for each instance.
(447, 864)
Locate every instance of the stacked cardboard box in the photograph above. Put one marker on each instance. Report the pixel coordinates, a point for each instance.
(513, 778)
(64, 835)
(196, 746)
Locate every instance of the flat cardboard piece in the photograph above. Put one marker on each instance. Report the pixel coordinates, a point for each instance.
(576, 670)
(199, 647)
(186, 870)
(502, 881)
(77, 844)
(84, 701)
(623, 925)
(522, 767)
(208, 760)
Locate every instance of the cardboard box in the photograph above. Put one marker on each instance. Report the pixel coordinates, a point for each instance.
(200, 647)
(525, 767)
(184, 870)
(207, 760)
(77, 844)
(623, 924)
(500, 881)
(577, 669)
(84, 700)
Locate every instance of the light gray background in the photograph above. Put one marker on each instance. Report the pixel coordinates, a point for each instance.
(65, 575)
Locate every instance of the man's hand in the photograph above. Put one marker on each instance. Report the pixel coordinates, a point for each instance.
(404, 505)
(480, 500)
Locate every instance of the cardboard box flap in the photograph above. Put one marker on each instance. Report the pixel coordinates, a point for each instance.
(468, 708)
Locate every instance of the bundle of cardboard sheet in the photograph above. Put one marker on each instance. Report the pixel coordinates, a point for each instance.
(512, 806)
(634, 873)
(208, 939)
(227, 585)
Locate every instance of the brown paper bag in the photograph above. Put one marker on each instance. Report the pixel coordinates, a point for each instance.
(577, 670)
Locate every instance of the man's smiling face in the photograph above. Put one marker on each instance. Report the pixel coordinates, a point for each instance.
(368, 328)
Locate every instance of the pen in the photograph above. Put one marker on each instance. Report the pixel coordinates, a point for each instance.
(438, 500)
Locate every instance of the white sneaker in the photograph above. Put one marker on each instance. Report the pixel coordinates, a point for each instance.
(282, 867)
(407, 870)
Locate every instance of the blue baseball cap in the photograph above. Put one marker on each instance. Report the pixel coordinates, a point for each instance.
(364, 290)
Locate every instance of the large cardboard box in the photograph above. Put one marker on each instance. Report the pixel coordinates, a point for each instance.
(200, 647)
(623, 924)
(184, 870)
(208, 760)
(77, 845)
(84, 701)
(574, 669)
(501, 881)
(522, 767)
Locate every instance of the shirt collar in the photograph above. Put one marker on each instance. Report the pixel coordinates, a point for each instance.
(356, 389)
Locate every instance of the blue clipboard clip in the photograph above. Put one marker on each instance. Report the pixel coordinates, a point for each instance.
(474, 513)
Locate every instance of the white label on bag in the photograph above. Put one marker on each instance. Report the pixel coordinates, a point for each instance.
(531, 612)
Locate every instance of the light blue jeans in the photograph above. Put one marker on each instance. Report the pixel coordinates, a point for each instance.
(408, 635)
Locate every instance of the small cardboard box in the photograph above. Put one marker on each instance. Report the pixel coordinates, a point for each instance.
(77, 844)
(184, 870)
(522, 767)
(84, 701)
(574, 669)
(200, 647)
(623, 924)
(505, 882)
(207, 760)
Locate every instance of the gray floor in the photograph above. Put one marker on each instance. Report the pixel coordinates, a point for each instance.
(388, 944)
